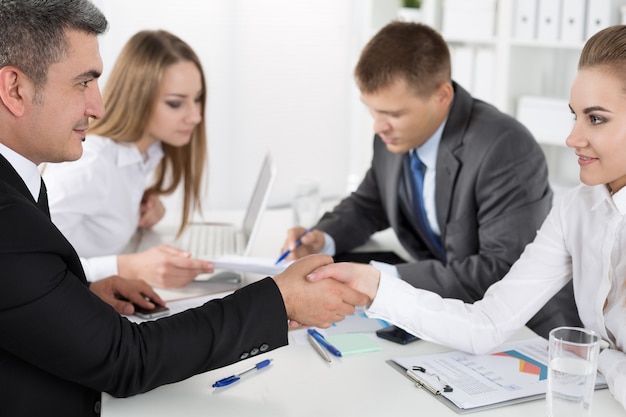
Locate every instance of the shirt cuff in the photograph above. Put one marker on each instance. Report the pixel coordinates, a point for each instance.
(99, 267)
(329, 245)
(388, 269)
(390, 288)
(612, 364)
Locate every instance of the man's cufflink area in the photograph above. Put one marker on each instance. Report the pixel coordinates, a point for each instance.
(255, 351)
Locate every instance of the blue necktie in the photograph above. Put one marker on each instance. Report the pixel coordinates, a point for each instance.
(417, 170)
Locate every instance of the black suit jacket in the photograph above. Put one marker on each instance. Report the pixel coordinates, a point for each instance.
(491, 195)
(61, 346)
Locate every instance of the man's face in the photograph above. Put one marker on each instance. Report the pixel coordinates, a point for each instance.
(402, 119)
(58, 115)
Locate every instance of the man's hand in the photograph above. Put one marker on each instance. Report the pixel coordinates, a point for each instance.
(162, 266)
(122, 293)
(151, 211)
(310, 243)
(361, 277)
(319, 303)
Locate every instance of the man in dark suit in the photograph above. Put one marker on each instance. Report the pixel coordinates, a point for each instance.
(60, 344)
(480, 190)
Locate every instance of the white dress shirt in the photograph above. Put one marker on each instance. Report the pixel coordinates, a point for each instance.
(95, 201)
(583, 238)
(26, 169)
(427, 153)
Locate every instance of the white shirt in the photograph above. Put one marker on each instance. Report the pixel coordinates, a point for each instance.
(583, 238)
(95, 201)
(427, 153)
(26, 169)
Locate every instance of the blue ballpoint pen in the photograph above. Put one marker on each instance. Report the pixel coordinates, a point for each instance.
(318, 336)
(288, 251)
(234, 378)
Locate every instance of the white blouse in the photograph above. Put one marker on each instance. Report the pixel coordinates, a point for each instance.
(95, 201)
(583, 238)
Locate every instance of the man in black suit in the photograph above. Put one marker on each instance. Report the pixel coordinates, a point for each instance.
(60, 344)
(484, 177)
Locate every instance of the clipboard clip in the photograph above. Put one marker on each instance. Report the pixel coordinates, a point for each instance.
(435, 390)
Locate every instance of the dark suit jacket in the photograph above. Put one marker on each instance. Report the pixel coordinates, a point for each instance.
(61, 346)
(491, 194)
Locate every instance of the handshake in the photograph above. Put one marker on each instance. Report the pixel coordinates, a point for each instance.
(318, 292)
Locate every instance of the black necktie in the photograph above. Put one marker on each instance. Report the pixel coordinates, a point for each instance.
(42, 201)
(418, 169)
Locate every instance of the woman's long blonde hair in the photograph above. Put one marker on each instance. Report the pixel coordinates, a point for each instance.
(129, 99)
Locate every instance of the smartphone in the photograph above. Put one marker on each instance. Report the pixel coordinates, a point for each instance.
(396, 334)
(156, 312)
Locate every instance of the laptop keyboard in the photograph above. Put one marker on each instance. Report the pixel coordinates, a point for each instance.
(210, 241)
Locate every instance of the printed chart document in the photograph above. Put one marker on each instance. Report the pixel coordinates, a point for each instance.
(516, 372)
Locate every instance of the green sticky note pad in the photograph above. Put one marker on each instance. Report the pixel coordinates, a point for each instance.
(353, 343)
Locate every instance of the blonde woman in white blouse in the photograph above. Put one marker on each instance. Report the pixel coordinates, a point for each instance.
(151, 140)
(583, 239)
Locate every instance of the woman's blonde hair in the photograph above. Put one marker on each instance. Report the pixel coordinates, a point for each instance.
(129, 99)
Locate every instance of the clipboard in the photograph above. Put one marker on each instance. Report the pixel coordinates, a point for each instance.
(442, 399)
(527, 354)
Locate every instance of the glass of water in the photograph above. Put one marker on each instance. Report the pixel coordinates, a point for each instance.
(573, 361)
(306, 201)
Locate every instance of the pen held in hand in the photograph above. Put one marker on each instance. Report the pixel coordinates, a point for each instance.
(288, 251)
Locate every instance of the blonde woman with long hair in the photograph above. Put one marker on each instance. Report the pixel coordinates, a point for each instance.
(151, 140)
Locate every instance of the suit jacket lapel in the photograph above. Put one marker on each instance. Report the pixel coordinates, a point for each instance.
(9, 175)
(448, 164)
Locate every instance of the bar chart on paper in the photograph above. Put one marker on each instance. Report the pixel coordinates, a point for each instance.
(527, 365)
(516, 372)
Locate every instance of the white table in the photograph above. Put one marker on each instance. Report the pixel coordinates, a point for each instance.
(300, 383)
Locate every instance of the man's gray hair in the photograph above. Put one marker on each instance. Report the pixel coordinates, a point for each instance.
(32, 32)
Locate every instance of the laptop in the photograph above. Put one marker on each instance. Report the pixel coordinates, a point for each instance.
(210, 241)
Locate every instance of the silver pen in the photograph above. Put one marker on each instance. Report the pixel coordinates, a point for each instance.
(322, 352)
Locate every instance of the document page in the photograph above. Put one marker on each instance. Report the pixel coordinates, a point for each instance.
(517, 370)
(256, 265)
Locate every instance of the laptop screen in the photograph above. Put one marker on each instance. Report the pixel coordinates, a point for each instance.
(258, 202)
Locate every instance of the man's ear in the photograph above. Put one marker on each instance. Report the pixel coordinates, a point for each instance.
(15, 88)
(445, 93)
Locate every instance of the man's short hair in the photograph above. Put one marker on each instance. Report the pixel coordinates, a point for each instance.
(32, 32)
(412, 52)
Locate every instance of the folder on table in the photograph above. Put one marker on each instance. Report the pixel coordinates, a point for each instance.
(468, 383)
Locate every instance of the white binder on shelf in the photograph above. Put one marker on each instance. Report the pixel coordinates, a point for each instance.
(473, 19)
(548, 20)
(533, 111)
(600, 14)
(483, 74)
(463, 66)
(573, 21)
(525, 19)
